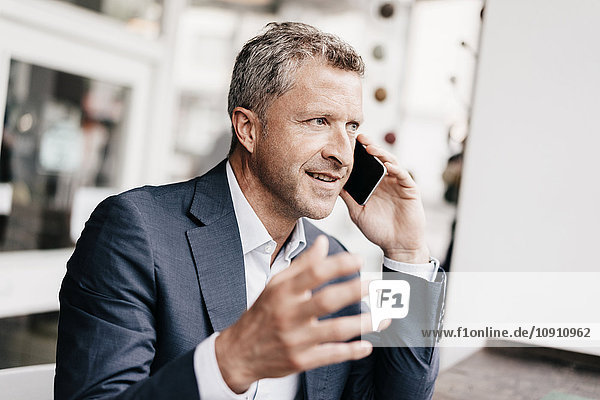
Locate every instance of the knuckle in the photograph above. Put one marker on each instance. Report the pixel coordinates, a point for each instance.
(271, 290)
(287, 343)
(280, 319)
(347, 261)
(355, 287)
(280, 292)
(282, 287)
(293, 341)
(296, 363)
(336, 331)
(276, 280)
(336, 354)
(323, 300)
(316, 273)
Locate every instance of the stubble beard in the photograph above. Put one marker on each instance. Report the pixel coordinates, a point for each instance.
(284, 191)
(283, 187)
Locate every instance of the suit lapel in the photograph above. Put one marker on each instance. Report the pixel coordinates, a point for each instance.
(217, 249)
(325, 383)
(316, 384)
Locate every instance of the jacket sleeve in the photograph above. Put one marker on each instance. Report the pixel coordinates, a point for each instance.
(404, 364)
(106, 334)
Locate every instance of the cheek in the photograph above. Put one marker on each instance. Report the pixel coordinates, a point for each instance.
(291, 149)
(296, 155)
(313, 155)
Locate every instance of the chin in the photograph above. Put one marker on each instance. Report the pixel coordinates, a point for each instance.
(319, 211)
(318, 216)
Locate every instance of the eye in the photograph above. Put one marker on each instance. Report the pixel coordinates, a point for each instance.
(353, 127)
(319, 121)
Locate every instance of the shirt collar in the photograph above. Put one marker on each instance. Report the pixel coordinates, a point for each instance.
(296, 242)
(253, 233)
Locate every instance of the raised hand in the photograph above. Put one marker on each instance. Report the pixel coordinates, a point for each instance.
(281, 334)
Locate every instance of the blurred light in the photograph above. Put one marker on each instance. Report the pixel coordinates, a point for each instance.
(248, 2)
(458, 132)
(25, 122)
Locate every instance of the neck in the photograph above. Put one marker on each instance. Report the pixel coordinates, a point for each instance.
(260, 199)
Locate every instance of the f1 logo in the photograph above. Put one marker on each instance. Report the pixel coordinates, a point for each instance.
(381, 297)
(389, 299)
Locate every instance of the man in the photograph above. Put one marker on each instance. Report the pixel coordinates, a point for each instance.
(199, 290)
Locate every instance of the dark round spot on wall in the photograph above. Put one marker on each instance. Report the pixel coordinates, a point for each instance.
(378, 52)
(386, 10)
(390, 138)
(380, 94)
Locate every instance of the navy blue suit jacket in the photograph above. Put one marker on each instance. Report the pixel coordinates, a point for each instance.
(159, 269)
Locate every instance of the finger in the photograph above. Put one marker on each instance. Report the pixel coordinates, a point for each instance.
(376, 150)
(333, 353)
(379, 152)
(331, 298)
(321, 271)
(315, 254)
(383, 325)
(364, 287)
(364, 139)
(340, 329)
(400, 174)
(353, 207)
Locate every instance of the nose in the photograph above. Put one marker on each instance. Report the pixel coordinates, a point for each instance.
(339, 147)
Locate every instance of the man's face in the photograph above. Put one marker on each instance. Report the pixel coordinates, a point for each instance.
(304, 156)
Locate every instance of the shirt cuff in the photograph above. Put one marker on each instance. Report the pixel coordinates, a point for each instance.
(211, 384)
(425, 271)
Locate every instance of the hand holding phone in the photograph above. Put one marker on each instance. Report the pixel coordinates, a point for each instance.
(367, 173)
(394, 219)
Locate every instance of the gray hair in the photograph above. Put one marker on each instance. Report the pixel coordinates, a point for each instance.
(264, 69)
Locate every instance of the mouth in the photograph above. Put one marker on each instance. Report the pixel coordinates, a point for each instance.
(323, 177)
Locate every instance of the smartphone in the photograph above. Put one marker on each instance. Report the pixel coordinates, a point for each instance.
(366, 174)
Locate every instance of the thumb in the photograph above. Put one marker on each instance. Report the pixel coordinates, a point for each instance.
(353, 207)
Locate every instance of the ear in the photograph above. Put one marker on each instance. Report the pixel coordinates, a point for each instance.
(247, 127)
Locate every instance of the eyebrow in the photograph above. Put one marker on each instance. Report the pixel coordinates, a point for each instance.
(311, 113)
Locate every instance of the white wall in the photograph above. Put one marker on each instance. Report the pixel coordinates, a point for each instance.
(530, 193)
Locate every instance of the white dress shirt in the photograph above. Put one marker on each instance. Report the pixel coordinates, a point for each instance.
(258, 247)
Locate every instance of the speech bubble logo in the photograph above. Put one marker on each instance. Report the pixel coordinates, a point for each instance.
(388, 299)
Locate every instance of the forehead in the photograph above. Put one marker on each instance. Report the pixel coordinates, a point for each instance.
(321, 88)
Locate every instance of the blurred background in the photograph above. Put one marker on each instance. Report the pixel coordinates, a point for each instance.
(99, 96)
